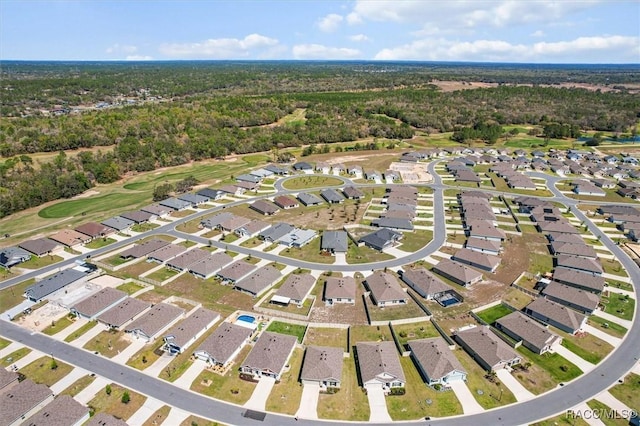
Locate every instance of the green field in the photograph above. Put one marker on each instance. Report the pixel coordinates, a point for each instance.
(306, 182)
(122, 200)
(291, 329)
(494, 313)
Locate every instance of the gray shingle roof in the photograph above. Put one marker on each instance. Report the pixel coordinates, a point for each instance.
(334, 240)
(579, 279)
(379, 359)
(556, 312)
(527, 329)
(264, 207)
(193, 199)
(138, 216)
(297, 286)
(309, 199)
(435, 357)
(141, 250)
(385, 287)
(210, 264)
(270, 352)
(276, 231)
(10, 256)
(118, 223)
(393, 222)
(475, 258)
(340, 288)
(424, 281)
(236, 270)
(184, 331)
(381, 238)
(97, 302)
(53, 283)
(489, 347)
(213, 221)
(332, 196)
(457, 271)
(39, 246)
(124, 311)
(579, 263)
(572, 295)
(187, 259)
(155, 319)
(259, 280)
(167, 252)
(322, 363)
(224, 341)
(20, 399)
(175, 204)
(156, 209)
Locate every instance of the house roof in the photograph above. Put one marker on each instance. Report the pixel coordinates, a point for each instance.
(309, 199)
(210, 264)
(156, 209)
(277, 231)
(259, 280)
(556, 312)
(175, 203)
(20, 399)
(393, 223)
(457, 270)
(104, 419)
(379, 359)
(565, 238)
(69, 237)
(425, 281)
(285, 202)
(476, 258)
(209, 193)
(302, 165)
(435, 357)
(213, 221)
(138, 216)
(224, 341)
(188, 258)
(572, 295)
(249, 178)
(155, 319)
(334, 240)
(557, 226)
(482, 244)
(322, 363)
(167, 252)
(527, 329)
(42, 289)
(580, 263)
(297, 286)
(123, 312)
(483, 229)
(10, 256)
(234, 222)
(254, 227)
(264, 207)
(118, 223)
(381, 238)
(39, 246)
(64, 410)
(95, 303)
(581, 250)
(94, 229)
(193, 199)
(489, 347)
(7, 377)
(141, 250)
(236, 270)
(352, 192)
(340, 288)
(298, 236)
(331, 195)
(385, 287)
(184, 331)
(270, 352)
(579, 279)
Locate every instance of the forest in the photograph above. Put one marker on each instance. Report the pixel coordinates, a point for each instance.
(205, 111)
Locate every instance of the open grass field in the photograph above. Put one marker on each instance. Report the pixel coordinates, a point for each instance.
(628, 392)
(77, 386)
(58, 326)
(586, 346)
(493, 314)
(307, 182)
(350, 402)
(414, 241)
(10, 297)
(99, 243)
(290, 329)
(285, 395)
(112, 404)
(356, 255)
(366, 333)
(79, 332)
(334, 337)
(42, 370)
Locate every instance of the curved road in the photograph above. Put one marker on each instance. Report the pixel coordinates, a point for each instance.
(616, 365)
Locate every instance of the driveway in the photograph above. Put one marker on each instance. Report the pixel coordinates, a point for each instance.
(614, 341)
(87, 394)
(612, 318)
(150, 406)
(520, 392)
(156, 368)
(309, 401)
(130, 350)
(614, 403)
(464, 395)
(191, 374)
(176, 416)
(258, 399)
(68, 380)
(377, 405)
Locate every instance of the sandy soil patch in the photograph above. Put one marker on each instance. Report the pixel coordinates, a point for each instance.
(86, 194)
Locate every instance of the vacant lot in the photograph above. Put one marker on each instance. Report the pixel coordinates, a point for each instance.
(307, 182)
(415, 331)
(586, 346)
(108, 343)
(390, 313)
(558, 370)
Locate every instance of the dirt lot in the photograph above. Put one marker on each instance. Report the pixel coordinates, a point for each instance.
(340, 314)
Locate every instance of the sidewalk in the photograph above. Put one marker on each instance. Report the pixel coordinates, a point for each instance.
(258, 399)
(68, 380)
(87, 394)
(620, 291)
(464, 395)
(612, 318)
(583, 365)
(129, 351)
(614, 341)
(613, 402)
(150, 406)
(519, 391)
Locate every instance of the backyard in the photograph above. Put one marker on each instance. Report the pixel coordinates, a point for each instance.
(494, 313)
(334, 337)
(290, 329)
(414, 331)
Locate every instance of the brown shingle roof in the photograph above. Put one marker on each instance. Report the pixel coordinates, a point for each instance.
(141, 250)
(527, 329)
(475, 258)
(104, 419)
(155, 319)
(93, 304)
(94, 229)
(270, 352)
(223, 342)
(581, 250)
(236, 270)
(64, 410)
(556, 312)
(7, 377)
(457, 271)
(184, 331)
(128, 309)
(579, 279)
(297, 286)
(167, 252)
(489, 347)
(435, 357)
(211, 264)
(284, 201)
(39, 246)
(187, 259)
(579, 263)
(385, 287)
(264, 207)
(572, 295)
(377, 359)
(340, 288)
(20, 399)
(425, 281)
(322, 363)
(259, 280)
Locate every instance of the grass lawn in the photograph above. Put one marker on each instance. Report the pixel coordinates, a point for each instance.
(229, 237)
(412, 404)
(77, 386)
(310, 253)
(562, 419)
(494, 313)
(108, 343)
(79, 332)
(251, 242)
(350, 402)
(489, 395)
(163, 274)
(4, 343)
(158, 417)
(366, 333)
(516, 298)
(587, 347)
(59, 325)
(115, 260)
(197, 421)
(334, 337)
(285, 396)
(612, 266)
(558, 367)
(620, 284)
(38, 262)
(291, 329)
(306, 182)
(619, 305)
(15, 356)
(182, 362)
(229, 387)
(364, 254)
(628, 392)
(390, 313)
(99, 243)
(190, 227)
(146, 356)
(611, 328)
(414, 241)
(413, 331)
(112, 404)
(144, 227)
(42, 371)
(12, 296)
(603, 410)
(183, 213)
(130, 288)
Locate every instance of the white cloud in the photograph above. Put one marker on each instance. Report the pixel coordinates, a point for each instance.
(354, 19)
(538, 33)
(359, 38)
(139, 58)
(220, 48)
(330, 23)
(583, 49)
(121, 48)
(318, 51)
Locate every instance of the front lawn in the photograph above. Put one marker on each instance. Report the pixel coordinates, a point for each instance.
(285, 395)
(108, 343)
(79, 332)
(59, 325)
(628, 392)
(158, 417)
(78, 386)
(603, 410)
(619, 305)
(46, 370)
(494, 313)
(12, 296)
(310, 253)
(39, 262)
(146, 356)
(558, 367)
(414, 241)
(15, 356)
(99, 243)
(364, 254)
(587, 347)
(112, 403)
(350, 402)
(290, 329)
(615, 330)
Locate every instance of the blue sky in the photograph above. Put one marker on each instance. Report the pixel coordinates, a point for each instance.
(561, 31)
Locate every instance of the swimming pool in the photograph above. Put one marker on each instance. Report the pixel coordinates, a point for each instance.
(247, 318)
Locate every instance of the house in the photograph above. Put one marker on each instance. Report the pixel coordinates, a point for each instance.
(224, 344)
(144, 249)
(187, 331)
(578, 263)
(352, 193)
(210, 265)
(457, 272)
(323, 167)
(486, 231)
(233, 223)
(575, 278)
(252, 228)
(285, 202)
(381, 239)
(355, 170)
(40, 246)
(258, 281)
(334, 242)
(322, 365)
(175, 204)
(236, 271)
(604, 183)
(332, 196)
(393, 223)
(165, 253)
(157, 210)
(12, 256)
(277, 170)
(261, 173)
(581, 250)
(247, 186)
(95, 304)
(298, 237)
(295, 289)
(249, 178)
(138, 216)
(63, 410)
(275, 232)
(338, 168)
(392, 175)
(372, 175)
(41, 289)
(436, 362)
(573, 297)
(385, 289)
(379, 366)
(425, 283)
(486, 348)
(8, 379)
(264, 207)
(486, 262)
(309, 199)
(194, 200)
(269, 355)
(339, 290)
(215, 221)
(94, 230)
(118, 223)
(211, 194)
(303, 166)
(22, 401)
(481, 245)
(232, 190)
(557, 226)
(628, 193)
(154, 321)
(125, 311)
(534, 336)
(587, 188)
(555, 314)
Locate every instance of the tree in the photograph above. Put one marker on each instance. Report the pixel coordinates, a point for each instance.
(125, 397)
(53, 364)
(162, 191)
(107, 389)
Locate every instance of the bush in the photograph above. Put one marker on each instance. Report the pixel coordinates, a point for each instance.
(397, 391)
(108, 389)
(125, 397)
(54, 364)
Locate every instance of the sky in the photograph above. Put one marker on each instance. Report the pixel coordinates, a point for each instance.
(524, 31)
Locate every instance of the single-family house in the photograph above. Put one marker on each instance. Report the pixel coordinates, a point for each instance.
(425, 283)
(486, 348)
(334, 242)
(70, 238)
(143, 249)
(339, 290)
(236, 271)
(381, 239)
(332, 196)
(40, 246)
(118, 223)
(380, 366)
(555, 314)
(309, 199)
(352, 193)
(457, 272)
(269, 355)
(12, 256)
(385, 289)
(63, 410)
(285, 202)
(264, 207)
(175, 204)
(491, 247)
(210, 265)
(41, 289)
(573, 297)
(583, 264)
(154, 321)
(211, 194)
(583, 280)
(94, 230)
(157, 210)
(298, 237)
(138, 216)
(303, 166)
(295, 289)
(22, 401)
(252, 228)
(436, 362)
(322, 365)
(95, 304)
(123, 312)
(186, 332)
(259, 280)
(534, 336)
(275, 232)
(195, 200)
(246, 177)
(580, 250)
(486, 262)
(224, 344)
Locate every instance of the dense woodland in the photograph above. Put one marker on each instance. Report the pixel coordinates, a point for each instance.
(208, 111)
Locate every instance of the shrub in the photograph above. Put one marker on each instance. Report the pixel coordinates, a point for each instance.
(397, 391)
(125, 397)
(108, 389)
